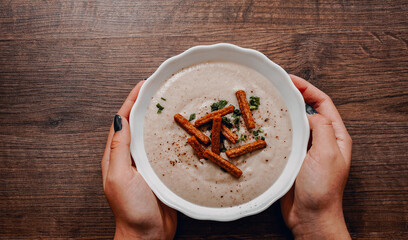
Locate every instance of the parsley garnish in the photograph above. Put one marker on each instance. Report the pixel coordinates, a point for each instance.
(227, 122)
(162, 98)
(242, 138)
(262, 138)
(256, 133)
(254, 102)
(192, 117)
(223, 148)
(160, 108)
(236, 113)
(236, 122)
(218, 105)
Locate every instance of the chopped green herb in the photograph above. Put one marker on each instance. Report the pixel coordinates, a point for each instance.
(223, 148)
(256, 133)
(218, 105)
(160, 108)
(162, 98)
(192, 117)
(263, 138)
(236, 122)
(254, 102)
(236, 113)
(242, 138)
(227, 122)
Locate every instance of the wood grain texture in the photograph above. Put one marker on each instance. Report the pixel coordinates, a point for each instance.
(67, 66)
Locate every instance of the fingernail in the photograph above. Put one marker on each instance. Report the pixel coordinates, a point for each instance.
(310, 110)
(117, 123)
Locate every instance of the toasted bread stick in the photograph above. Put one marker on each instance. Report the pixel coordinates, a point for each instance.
(198, 149)
(216, 134)
(246, 111)
(232, 137)
(250, 147)
(217, 159)
(208, 118)
(188, 127)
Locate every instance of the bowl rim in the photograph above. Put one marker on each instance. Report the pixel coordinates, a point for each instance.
(171, 199)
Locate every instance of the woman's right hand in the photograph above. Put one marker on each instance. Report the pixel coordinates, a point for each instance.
(312, 209)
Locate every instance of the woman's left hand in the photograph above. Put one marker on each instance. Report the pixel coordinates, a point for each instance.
(138, 213)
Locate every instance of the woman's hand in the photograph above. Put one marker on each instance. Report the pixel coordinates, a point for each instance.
(138, 213)
(312, 209)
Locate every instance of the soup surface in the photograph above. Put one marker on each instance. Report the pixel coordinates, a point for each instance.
(194, 90)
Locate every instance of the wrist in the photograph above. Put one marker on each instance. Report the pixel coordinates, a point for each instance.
(322, 225)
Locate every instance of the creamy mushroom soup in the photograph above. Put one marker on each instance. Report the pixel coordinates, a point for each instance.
(192, 91)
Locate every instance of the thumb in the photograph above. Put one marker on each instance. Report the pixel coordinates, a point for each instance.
(287, 202)
(120, 146)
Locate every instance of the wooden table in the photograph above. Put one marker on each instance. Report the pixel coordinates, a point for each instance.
(67, 66)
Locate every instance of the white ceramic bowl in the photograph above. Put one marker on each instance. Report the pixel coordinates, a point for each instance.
(252, 59)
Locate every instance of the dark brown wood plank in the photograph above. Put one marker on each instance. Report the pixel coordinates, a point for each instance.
(67, 66)
(96, 19)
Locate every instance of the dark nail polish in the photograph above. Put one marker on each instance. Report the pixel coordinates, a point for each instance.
(117, 123)
(310, 110)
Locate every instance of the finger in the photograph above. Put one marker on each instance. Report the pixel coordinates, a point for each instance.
(324, 139)
(318, 100)
(324, 105)
(106, 156)
(312, 95)
(124, 111)
(120, 160)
